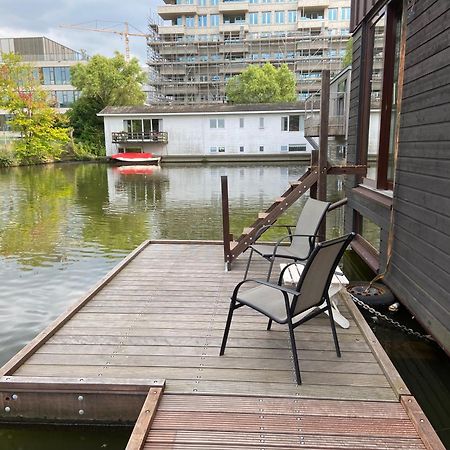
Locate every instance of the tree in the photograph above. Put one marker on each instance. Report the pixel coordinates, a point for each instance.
(43, 131)
(265, 84)
(348, 56)
(103, 82)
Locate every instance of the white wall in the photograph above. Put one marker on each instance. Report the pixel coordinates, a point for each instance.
(191, 134)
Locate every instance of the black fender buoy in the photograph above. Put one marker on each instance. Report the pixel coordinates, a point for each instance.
(378, 294)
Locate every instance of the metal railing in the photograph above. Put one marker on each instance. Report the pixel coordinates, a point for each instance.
(153, 136)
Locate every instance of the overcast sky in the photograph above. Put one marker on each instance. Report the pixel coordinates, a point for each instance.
(29, 18)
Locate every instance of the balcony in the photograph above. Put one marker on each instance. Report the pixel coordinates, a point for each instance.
(314, 3)
(154, 136)
(171, 29)
(172, 69)
(233, 67)
(233, 6)
(178, 49)
(168, 12)
(233, 27)
(336, 126)
(233, 47)
(304, 23)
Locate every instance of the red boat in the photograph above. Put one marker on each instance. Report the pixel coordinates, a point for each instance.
(135, 158)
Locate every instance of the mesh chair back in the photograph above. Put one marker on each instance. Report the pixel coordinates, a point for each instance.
(308, 223)
(318, 272)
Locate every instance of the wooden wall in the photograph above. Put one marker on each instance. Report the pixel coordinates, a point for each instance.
(360, 9)
(419, 270)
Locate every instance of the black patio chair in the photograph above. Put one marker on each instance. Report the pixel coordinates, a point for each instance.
(282, 304)
(302, 240)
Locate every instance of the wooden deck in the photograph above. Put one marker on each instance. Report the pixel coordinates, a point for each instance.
(161, 316)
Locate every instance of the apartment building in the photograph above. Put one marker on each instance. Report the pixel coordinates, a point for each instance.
(52, 62)
(205, 42)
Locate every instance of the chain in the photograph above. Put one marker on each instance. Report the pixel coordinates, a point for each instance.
(391, 321)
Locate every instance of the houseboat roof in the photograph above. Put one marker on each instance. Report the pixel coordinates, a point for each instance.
(218, 108)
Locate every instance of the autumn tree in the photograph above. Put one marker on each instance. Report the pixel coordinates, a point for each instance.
(262, 84)
(103, 82)
(42, 130)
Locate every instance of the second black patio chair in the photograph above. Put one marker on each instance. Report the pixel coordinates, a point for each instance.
(302, 240)
(282, 304)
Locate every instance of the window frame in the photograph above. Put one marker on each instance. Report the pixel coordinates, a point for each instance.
(393, 15)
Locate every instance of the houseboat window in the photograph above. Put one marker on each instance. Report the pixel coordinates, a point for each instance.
(133, 126)
(378, 33)
(221, 149)
(261, 148)
(297, 148)
(241, 122)
(156, 125)
(147, 125)
(261, 122)
(290, 123)
(384, 38)
(141, 125)
(212, 149)
(216, 123)
(241, 149)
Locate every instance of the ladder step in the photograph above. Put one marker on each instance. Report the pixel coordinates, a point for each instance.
(247, 230)
(262, 215)
(233, 244)
(295, 183)
(280, 199)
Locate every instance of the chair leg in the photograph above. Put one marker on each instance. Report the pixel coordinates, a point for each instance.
(269, 325)
(272, 260)
(333, 328)
(227, 327)
(294, 352)
(248, 263)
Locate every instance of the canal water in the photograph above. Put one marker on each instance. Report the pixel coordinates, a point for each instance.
(64, 226)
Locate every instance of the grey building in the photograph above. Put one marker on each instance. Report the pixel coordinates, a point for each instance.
(52, 62)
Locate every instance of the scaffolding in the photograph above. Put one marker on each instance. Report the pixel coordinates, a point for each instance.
(190, 69)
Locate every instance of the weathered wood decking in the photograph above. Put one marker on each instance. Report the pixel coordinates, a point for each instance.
(162, 317)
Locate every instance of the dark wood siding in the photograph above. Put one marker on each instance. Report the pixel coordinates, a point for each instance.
(419, 270)
(361, 9)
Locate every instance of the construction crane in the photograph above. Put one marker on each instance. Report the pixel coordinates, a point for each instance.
(125, 33)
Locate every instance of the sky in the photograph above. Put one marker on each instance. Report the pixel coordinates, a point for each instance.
(30, 18)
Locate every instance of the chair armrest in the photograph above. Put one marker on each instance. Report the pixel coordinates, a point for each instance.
(290, 236)
(263, 229)
(283, 289)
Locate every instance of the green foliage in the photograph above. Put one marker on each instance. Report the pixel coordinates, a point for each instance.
(84, 151)
(87, 126)
(7, 155)
(103, 82)
(265, 84)
(42, 130)
(348, 56)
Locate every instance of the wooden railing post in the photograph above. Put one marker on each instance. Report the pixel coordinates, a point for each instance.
(323, 144)
(314, 161)
(226, 222)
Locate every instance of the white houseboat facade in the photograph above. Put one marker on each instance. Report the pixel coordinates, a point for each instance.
(206, 130)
